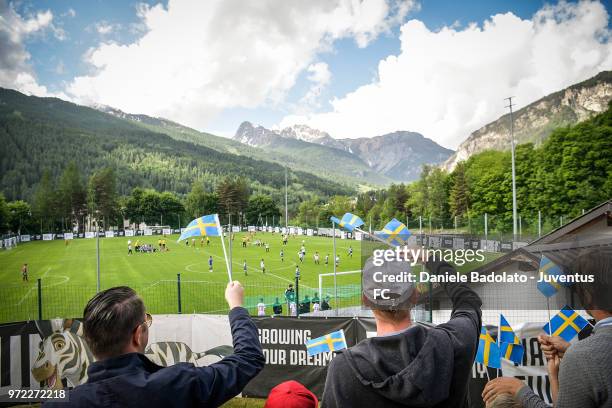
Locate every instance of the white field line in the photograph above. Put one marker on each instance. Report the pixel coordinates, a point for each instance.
(65, 280)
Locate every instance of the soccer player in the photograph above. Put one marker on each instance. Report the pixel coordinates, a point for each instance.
(350, 251)
(293, 309)
(301, 256)
(316, 258)
(129, 247)
(24, 272)
(326, 259)
(202, 242)
(210, 264)
(159, 244)
(193, 243)
(277, 307)
(297, 272)
(207, 241)
(244, 242)
(316, 308)
(337, 260)
(244, 268)
(263, 266)
(282, 255)
(261, 308)
(267, 247)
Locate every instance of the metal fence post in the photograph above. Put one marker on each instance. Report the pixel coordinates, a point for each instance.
(178, 286)
(39, 282)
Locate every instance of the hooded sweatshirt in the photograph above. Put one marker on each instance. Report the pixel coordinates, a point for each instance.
(418, 367)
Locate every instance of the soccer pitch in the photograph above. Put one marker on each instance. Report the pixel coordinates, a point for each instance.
(67, 270)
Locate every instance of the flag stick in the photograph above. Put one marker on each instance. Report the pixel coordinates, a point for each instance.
(487, 371)
(549, 322)
(229, 270)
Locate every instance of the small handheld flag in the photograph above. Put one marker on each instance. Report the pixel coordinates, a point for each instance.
(512, 352)
(551, 270)
(506, 334)
(488, 351)
(349, 222)
(566, 324)
(208, 225)
(395, 233)
(330, 342)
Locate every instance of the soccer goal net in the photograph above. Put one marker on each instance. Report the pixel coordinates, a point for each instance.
(348, 286)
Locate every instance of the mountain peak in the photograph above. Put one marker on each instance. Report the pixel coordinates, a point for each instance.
(536, 121)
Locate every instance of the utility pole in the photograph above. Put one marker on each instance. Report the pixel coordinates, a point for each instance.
(514, 209)
(286, 208)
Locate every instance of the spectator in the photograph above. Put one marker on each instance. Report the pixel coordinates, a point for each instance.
(585, 370)
(277, 307)
(291, 394)
(406, 364)
(116, 327)
(325, 304)
(305, 305)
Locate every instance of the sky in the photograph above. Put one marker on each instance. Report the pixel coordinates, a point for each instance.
(348, 67)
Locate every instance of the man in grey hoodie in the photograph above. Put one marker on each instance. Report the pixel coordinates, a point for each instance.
(408, 364)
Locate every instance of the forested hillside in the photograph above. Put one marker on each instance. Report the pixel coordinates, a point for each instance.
(40, 134)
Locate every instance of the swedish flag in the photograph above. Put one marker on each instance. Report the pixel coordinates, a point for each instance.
(512, 352)
(207, 225)
(488, 351)
(566, 324)
(349, 221)
(395, 233)
(549, 268)
(506, 334)
(330, 342)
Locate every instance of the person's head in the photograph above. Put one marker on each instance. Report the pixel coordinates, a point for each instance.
(276, 300)
(390, 301)
(290, 286)
(261, 300)
(291, 394)
(504, 401)
(595, 296)
(115, 323)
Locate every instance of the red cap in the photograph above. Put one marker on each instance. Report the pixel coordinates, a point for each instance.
(291, 394)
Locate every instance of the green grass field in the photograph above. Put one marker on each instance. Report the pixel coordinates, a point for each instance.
(68, 273)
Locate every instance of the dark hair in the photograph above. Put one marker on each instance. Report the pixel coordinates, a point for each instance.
(109, 319)
(598, 263)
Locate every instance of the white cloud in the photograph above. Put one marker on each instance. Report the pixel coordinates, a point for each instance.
(197, 58)
(320, 77)
(69, 13)
(15, 69)
(448, 83)
(104, 28)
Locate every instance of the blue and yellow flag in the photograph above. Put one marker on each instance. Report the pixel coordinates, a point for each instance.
(566, 324)
(551, 269)
(395, 233)
(349, 221)
(207, 225)
(488, 351)
(330, 342)
(506, 334)
(512, 352)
